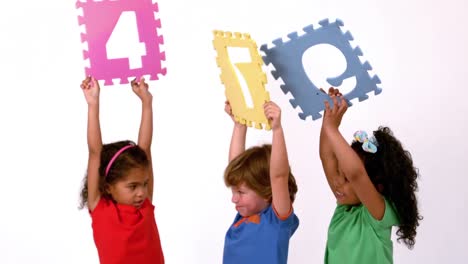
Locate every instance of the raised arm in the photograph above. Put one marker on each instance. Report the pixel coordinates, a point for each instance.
(329, 162)
(279, 164)
(91, 91)
(239, 134)
(145, 134)
(349, 162)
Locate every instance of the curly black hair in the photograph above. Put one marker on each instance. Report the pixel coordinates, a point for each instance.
(132, 158)
(392, 171)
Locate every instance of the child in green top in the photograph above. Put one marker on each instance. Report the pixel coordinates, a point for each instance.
(374, 182)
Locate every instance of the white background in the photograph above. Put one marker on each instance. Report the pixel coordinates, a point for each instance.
(418, 49)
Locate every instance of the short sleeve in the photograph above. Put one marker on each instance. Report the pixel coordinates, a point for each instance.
(389, 219)
(99, 207)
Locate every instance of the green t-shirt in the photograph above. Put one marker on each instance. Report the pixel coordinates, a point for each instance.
(354, 236)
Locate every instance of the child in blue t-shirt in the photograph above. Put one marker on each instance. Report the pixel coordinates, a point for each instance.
(374, 182)
(263, 190)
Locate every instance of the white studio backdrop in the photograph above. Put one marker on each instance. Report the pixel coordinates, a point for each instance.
(418, 49)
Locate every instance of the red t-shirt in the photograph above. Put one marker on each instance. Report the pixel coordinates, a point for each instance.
(124, 234)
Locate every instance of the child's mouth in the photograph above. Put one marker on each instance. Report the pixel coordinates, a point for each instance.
(339, 195)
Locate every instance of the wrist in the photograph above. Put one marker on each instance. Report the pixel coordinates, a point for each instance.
(330, 130)
(239, 125)
(93, 104)
(277, 128)
(239, 128)
(147, 102)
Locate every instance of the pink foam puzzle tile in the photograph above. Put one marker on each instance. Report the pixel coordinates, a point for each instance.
(101, 21)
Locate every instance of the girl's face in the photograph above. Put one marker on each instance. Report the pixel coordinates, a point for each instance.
(247, 201)
(133, 189)
(344, 192)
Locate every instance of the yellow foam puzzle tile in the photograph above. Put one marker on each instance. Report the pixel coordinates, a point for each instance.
(250, 71)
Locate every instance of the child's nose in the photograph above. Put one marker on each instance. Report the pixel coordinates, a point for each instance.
(141, 192)
(235, 198)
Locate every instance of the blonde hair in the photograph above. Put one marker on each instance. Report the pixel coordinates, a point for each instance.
(252, 167)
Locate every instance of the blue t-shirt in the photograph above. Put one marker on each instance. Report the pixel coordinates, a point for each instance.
(262, 238)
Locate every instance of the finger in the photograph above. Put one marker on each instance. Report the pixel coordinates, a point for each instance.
(270, 103)
(337, 92)
(335, 103)
(93, 82)
(228, 109)
(275, 113)
(142, 82)
(134, 83)
(85, 86)
(268, 112)
(272, 106)
(327, 106)
(270, 116)
(270, 109)
(343, 104)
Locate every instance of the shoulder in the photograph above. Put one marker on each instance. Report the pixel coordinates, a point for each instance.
(102, 205)
(346, 212)
(389, 219)
(272, 216)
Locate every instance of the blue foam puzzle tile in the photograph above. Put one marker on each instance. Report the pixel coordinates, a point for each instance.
(286, 58)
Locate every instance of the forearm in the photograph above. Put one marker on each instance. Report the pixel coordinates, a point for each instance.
(328, 159)
(279, 174)
(95, 147)
(237, 146)
(325, 148)
(94, 130)
(145, 135)
(279, 163)
(349, 162)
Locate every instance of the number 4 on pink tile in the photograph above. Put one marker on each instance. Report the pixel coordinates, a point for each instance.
(123, 40)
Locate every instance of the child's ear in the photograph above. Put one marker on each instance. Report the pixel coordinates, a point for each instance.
(107, 189)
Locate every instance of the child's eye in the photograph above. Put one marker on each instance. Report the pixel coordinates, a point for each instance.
(145, 184)
(132, 187)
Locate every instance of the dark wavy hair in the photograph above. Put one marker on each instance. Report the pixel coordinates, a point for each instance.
(252, 167)
(131, 158)
(392, 172)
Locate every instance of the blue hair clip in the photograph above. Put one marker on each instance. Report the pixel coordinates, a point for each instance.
(368, 144)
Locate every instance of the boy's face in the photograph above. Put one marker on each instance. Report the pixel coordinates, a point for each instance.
(133, 189)
(247, 201)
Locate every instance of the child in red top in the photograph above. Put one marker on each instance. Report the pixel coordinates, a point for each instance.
(118, 187)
